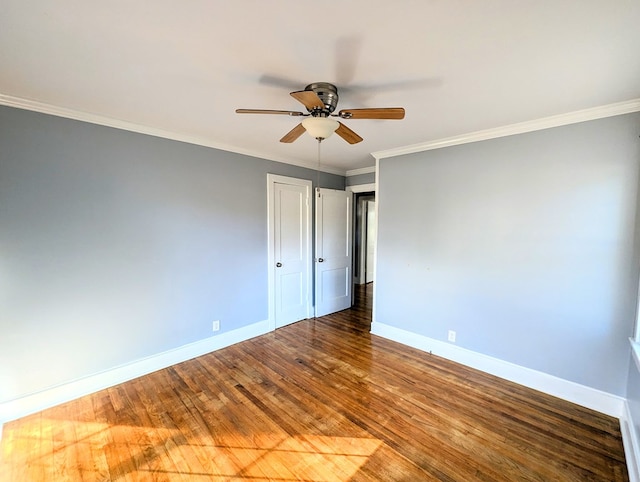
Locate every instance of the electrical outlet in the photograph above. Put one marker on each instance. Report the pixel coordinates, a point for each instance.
(452, 336)
(216, 325)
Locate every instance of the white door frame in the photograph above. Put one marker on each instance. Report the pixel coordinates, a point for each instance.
(358, 188)
(272, 179)
(371, 224)
(361, 188)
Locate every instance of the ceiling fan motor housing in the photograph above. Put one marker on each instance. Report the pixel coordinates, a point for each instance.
(328, 94)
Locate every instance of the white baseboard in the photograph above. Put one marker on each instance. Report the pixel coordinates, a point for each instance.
(20, 407)
(631, 444)
(582, 395)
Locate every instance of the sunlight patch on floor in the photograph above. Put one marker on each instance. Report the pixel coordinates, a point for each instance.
(48, 448)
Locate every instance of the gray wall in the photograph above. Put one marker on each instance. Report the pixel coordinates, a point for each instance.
(116, 246)
(524, 245)
(368, 178)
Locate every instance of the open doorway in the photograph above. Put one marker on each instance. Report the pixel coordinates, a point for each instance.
(364, 238)
(364, 242)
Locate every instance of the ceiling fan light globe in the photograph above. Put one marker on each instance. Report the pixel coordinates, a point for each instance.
(320, 127)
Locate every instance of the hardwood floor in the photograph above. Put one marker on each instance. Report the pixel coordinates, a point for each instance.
(319, 400)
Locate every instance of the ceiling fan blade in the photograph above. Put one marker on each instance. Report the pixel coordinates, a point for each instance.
(379, 113)
(308, 98)
(293, 134)
(347, 134)
(347, 53)
(267, 111)
(277, 81)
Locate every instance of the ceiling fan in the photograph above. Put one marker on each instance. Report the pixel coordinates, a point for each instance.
(321, 100)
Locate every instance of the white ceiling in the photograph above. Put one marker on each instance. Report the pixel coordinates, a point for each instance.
(457, 66)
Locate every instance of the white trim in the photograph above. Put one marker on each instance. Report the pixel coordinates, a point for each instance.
(635, 351)
(573, 392)
(636, 328)
(35, 106)
(271, 283)
(610, 110)
(362, 170)
(358, 188)
(371, 187)
(375, 248)
(631, 444)
(35, 402)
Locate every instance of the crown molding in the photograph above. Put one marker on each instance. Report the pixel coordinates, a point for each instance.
(362, 170)
(594, 113)
(44, 108)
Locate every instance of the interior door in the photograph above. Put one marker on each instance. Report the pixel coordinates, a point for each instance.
(333, 251)
(291, 256)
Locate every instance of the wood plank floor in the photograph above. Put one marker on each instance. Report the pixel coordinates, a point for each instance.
(320, 400)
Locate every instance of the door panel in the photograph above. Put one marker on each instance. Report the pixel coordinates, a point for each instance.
(335, 283)
(291, 292)
(333, 251)
(291, 248)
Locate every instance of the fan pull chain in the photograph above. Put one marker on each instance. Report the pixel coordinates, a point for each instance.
(319, 163)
